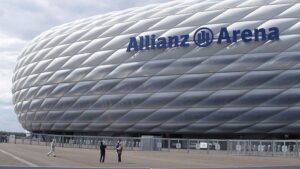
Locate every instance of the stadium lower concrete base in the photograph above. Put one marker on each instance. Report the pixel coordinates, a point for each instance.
(27, 156)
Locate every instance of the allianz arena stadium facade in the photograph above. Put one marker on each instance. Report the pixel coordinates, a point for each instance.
(183, 67)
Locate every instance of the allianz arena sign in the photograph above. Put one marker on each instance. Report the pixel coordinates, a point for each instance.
(203, 37)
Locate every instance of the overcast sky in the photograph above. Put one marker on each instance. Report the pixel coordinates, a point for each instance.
(22, 20)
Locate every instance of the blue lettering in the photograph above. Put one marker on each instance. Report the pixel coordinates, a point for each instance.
(257, 33)
(141, 46)
(274, 33)
(152, 42)
(162, 43)
(132, 44)
(147, 42)
(184, 41)
(246, 35)
(235, 35)
(224, 35)
(202, 35)
(170, 41)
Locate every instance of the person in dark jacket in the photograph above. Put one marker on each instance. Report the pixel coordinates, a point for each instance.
(102, 152)
(119, 148)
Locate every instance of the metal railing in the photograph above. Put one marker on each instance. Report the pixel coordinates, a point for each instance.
(284, 148)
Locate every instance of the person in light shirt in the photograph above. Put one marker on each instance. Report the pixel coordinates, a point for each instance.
(52, 148)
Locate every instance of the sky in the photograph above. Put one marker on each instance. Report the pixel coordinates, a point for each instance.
(22, 20)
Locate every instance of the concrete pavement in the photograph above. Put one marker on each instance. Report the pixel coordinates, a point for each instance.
(35, 155)
(15, 167)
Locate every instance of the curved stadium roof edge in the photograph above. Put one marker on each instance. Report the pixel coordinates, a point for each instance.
(119, 72)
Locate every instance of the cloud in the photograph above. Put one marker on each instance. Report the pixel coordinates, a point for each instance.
(28, 18)
(9, 51)
(8, 118)
(11, 44)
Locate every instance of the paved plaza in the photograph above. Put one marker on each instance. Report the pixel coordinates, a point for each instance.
(15, 155)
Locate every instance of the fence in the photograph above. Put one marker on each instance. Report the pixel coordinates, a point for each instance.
(284, 148)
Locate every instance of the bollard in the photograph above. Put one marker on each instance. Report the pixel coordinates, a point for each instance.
(188, 145)
(169, 144)
(207, 150)
(297, 148)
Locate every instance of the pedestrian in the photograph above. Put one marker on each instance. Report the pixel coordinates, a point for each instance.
(119, 148)
(52, 148)
(102, 152)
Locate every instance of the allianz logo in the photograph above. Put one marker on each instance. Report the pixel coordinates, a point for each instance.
(203, 37)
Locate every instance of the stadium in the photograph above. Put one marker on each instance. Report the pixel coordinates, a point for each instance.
(183, 68)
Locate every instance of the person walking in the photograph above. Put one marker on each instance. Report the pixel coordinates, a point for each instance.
(102, 152)
(119, 148)
(52, 148)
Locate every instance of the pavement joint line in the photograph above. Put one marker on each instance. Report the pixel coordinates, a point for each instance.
(19, 159)
(60, 167)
